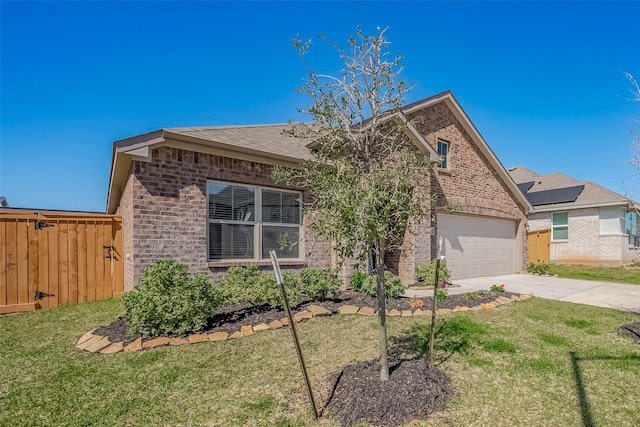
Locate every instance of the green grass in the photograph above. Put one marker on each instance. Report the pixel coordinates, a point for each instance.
(629, 275)
(538, 362)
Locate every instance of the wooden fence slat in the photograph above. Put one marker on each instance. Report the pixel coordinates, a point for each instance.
(34, 275)
(63, 261)
(119, 258)
(91, 261)
(12, 260)
(100, 251)
(3, 263)
(108, 261)
(43, 265)
(73, 262)
(23, 262)
(52, 254)
(82, 261)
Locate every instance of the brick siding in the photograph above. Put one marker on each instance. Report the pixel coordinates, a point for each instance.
(469, 185)
(164, 203)
(166, 199)
(585, 245)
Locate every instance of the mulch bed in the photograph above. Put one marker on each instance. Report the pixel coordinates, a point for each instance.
(633, 330)
(414, 390)
(231, 319)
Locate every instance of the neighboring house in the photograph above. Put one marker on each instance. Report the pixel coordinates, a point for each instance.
(204, 196)
(3, 202)
(588, 224)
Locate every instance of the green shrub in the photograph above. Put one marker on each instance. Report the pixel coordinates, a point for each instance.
(472, 295)
(168, 301)
(270, 292)
(538, 268)
(318, 284)
(248, 284)
(358, 279)
(426, 272)
(392, 284)
(239, 284)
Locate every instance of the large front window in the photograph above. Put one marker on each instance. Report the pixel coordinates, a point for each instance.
(246, 222)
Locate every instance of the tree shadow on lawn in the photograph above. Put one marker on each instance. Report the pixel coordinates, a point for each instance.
(453, 335)
(583, 399)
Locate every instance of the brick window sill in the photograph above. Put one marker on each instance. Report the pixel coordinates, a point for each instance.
(242, 263)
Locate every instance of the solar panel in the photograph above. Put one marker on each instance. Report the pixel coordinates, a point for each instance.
(558, 195)
(525, 186)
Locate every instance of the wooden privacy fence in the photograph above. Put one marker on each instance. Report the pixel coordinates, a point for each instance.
(539, 250)
(49, 259)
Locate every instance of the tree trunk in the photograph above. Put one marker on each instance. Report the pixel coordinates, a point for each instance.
(382, 315)
(434, 307)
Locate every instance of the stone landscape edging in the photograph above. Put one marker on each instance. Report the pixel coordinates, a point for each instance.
(101, 345)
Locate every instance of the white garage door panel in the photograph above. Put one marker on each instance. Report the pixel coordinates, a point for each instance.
(477, 246)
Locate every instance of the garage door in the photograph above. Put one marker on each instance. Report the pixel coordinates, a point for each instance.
(478, 246)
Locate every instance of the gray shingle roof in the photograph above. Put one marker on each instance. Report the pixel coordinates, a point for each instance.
(593, 194)
(259, 138)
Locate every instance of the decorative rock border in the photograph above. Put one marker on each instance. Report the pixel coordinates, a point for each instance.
(99, 344)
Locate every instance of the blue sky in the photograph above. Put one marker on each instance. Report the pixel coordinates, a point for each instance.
(542, 81)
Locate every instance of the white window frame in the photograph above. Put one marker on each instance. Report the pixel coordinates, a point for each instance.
(633, 240)
(443, 158)
(555, 227)
(256, 222)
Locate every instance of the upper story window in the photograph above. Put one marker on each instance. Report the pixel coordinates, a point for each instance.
(246, 222)
(559, 226)
(443, 151)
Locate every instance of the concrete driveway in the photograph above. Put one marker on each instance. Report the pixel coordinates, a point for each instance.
(600, 294)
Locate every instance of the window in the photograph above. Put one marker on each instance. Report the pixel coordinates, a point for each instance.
(246, 222)
(559, 226)
(631, 228)
(443, 151)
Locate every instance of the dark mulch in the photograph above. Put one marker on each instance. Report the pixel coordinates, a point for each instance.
(633, 330)
(231, 319)
(414, 390)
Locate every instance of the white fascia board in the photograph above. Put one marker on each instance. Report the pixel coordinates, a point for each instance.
(420, 142)
(575, 207)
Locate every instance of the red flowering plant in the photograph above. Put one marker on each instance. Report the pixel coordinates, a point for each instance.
(416, 302)
(495, 288)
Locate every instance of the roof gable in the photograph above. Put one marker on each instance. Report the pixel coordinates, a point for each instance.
(269, 144)
(558, 191)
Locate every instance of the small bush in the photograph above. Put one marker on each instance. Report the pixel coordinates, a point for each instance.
(392, 283)
(248, 284)
(538, 268)
(426, 272)
(270, 293)
(358, 279)
(168, 301)
(472, 295)
(238, 285)
(318, 284)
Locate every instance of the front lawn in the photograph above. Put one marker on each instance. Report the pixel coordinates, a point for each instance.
(537, 362)
(630, 275)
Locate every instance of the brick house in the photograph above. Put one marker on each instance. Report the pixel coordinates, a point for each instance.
(588, 224)
(204, 196)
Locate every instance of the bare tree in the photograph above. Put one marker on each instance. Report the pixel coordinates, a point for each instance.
(363, 168)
